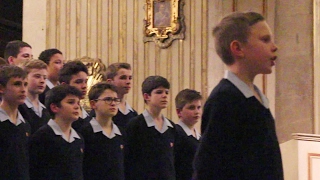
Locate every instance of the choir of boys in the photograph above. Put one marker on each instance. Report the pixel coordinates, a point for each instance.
(115, 143)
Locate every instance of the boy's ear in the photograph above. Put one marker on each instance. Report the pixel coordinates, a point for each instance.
(10, 60)
(178, 112)
(109, 81)
(236, 49)
(146, 96)
(93, 104)
(54, 108)
(2, 88)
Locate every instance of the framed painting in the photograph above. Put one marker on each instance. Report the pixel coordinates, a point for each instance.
(164, 21)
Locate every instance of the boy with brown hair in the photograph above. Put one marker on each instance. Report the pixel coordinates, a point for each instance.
(149, 153)
(189, 110)
(238, 131)
(17, 52)
(75, 73)
(33, 110)
(14, 130)
(103, 155)
(120, 75)
(56, 149)
(54, 60)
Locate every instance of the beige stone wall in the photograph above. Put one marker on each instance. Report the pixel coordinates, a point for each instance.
(113, 31)
(294, 75)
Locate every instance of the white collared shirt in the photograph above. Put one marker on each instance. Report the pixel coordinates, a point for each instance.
(49, 84)
(244, 88)
(57, 130)
(188, 131)
(5, 117)
(97, 128)
(30, 106)
(84, 113)
(150, 122)
(127, 110)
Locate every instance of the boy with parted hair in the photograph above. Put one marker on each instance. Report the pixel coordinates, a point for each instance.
(14, 130)
(33, 110)
(75, 73)
(56, 149)
(17, 52)
(54, 60)
(120, 75)
(238, 131)
(103, 155)
(189, 110)
(149, 153)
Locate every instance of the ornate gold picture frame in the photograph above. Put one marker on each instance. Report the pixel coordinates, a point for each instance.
(164, 21)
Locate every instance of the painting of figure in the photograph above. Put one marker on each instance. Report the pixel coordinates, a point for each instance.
(162, 15)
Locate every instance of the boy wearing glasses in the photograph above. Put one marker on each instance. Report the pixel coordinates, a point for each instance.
(103, 156)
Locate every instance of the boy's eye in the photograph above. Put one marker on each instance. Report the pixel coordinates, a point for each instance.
(192, 107)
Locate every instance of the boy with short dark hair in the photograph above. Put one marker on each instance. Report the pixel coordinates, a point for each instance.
(56, 149)
(17, 52)
(238, 131)
(188, 107)
(75, 73)
(54, 60)
(120, 75)
(150, 136)
(14, 130)
(33, 110)
(103, 155)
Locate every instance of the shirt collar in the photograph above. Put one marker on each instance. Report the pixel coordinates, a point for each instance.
(150, 122)
(84, 113)
(127, 109)
(4, 117)
(30, 105)
(57, 130)
(244, 88)
(49, 84)
(97, 128)
(188, 131)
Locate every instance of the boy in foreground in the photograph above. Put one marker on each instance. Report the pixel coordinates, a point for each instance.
(150, 136)
(33, 110)
(238, 131)
(14, 130)
(103, 155)
(189, 110)
(75, 73)
(56, 149)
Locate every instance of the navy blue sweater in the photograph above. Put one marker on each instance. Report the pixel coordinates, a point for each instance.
(103, 157)
(14, 157)
(51, 157)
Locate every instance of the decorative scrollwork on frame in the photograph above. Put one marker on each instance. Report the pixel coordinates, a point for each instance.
(164, 21)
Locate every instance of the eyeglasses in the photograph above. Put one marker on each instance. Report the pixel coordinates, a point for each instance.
(109, 100)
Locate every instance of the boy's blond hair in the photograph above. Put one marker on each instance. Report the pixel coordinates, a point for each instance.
(112, 70)
(235, 26)
(34, 64)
